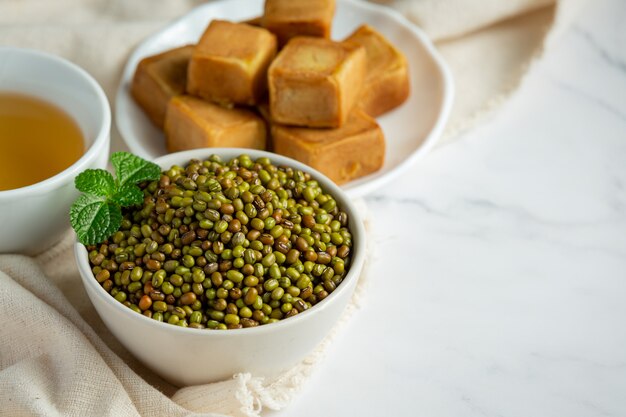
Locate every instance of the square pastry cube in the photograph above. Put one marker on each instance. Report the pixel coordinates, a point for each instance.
(387, 80)
(291, 18)
(157, 79)
(343, 154)
(192, 123)
(315, 82)
(229, 64)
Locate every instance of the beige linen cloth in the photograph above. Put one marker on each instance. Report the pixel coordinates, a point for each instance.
(56, 356)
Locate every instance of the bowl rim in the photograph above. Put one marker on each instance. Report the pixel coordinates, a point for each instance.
(356, 225)
(100, 140)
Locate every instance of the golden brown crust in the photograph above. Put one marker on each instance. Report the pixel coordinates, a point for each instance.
(387, 82)
(159, 78)
(229, 64)
(315, 82)
(192, 123)
(343, 154)
(290, 18)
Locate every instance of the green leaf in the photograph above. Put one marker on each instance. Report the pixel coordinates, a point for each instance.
(95, 181)
(128, 195)
(131, 169)
(97, 214)
(94, 219)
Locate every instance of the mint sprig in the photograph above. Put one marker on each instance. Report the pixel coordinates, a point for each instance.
(97, 213)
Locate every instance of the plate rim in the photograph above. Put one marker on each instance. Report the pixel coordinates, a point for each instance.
(355, 191)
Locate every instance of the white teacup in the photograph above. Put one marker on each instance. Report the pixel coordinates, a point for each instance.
(34, 217)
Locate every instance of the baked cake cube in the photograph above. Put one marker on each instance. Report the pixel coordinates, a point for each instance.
(291, 18)
(343, 154)
(229, 64)
(157, 79)
(315, 82)
(387, 80)
(192, 123)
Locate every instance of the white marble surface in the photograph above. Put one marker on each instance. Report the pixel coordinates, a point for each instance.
(506, 293)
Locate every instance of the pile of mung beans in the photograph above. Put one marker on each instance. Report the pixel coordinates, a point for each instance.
(226, 245)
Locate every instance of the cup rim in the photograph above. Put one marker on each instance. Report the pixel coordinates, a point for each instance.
(81, 255)
(100, 139)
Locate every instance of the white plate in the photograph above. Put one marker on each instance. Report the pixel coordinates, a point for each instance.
(410, 130)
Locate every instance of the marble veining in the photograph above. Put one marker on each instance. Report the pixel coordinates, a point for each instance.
(604, 53)
(588, 96)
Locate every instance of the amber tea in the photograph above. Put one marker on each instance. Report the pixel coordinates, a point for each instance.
(37, 140)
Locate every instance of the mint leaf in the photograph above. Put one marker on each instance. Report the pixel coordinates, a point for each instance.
(94, 219)
(131, 169)
(97, 213)
(128, 195)
(95, 181)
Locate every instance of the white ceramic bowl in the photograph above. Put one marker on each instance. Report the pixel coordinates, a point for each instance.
(34, 217)
(187, 356)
